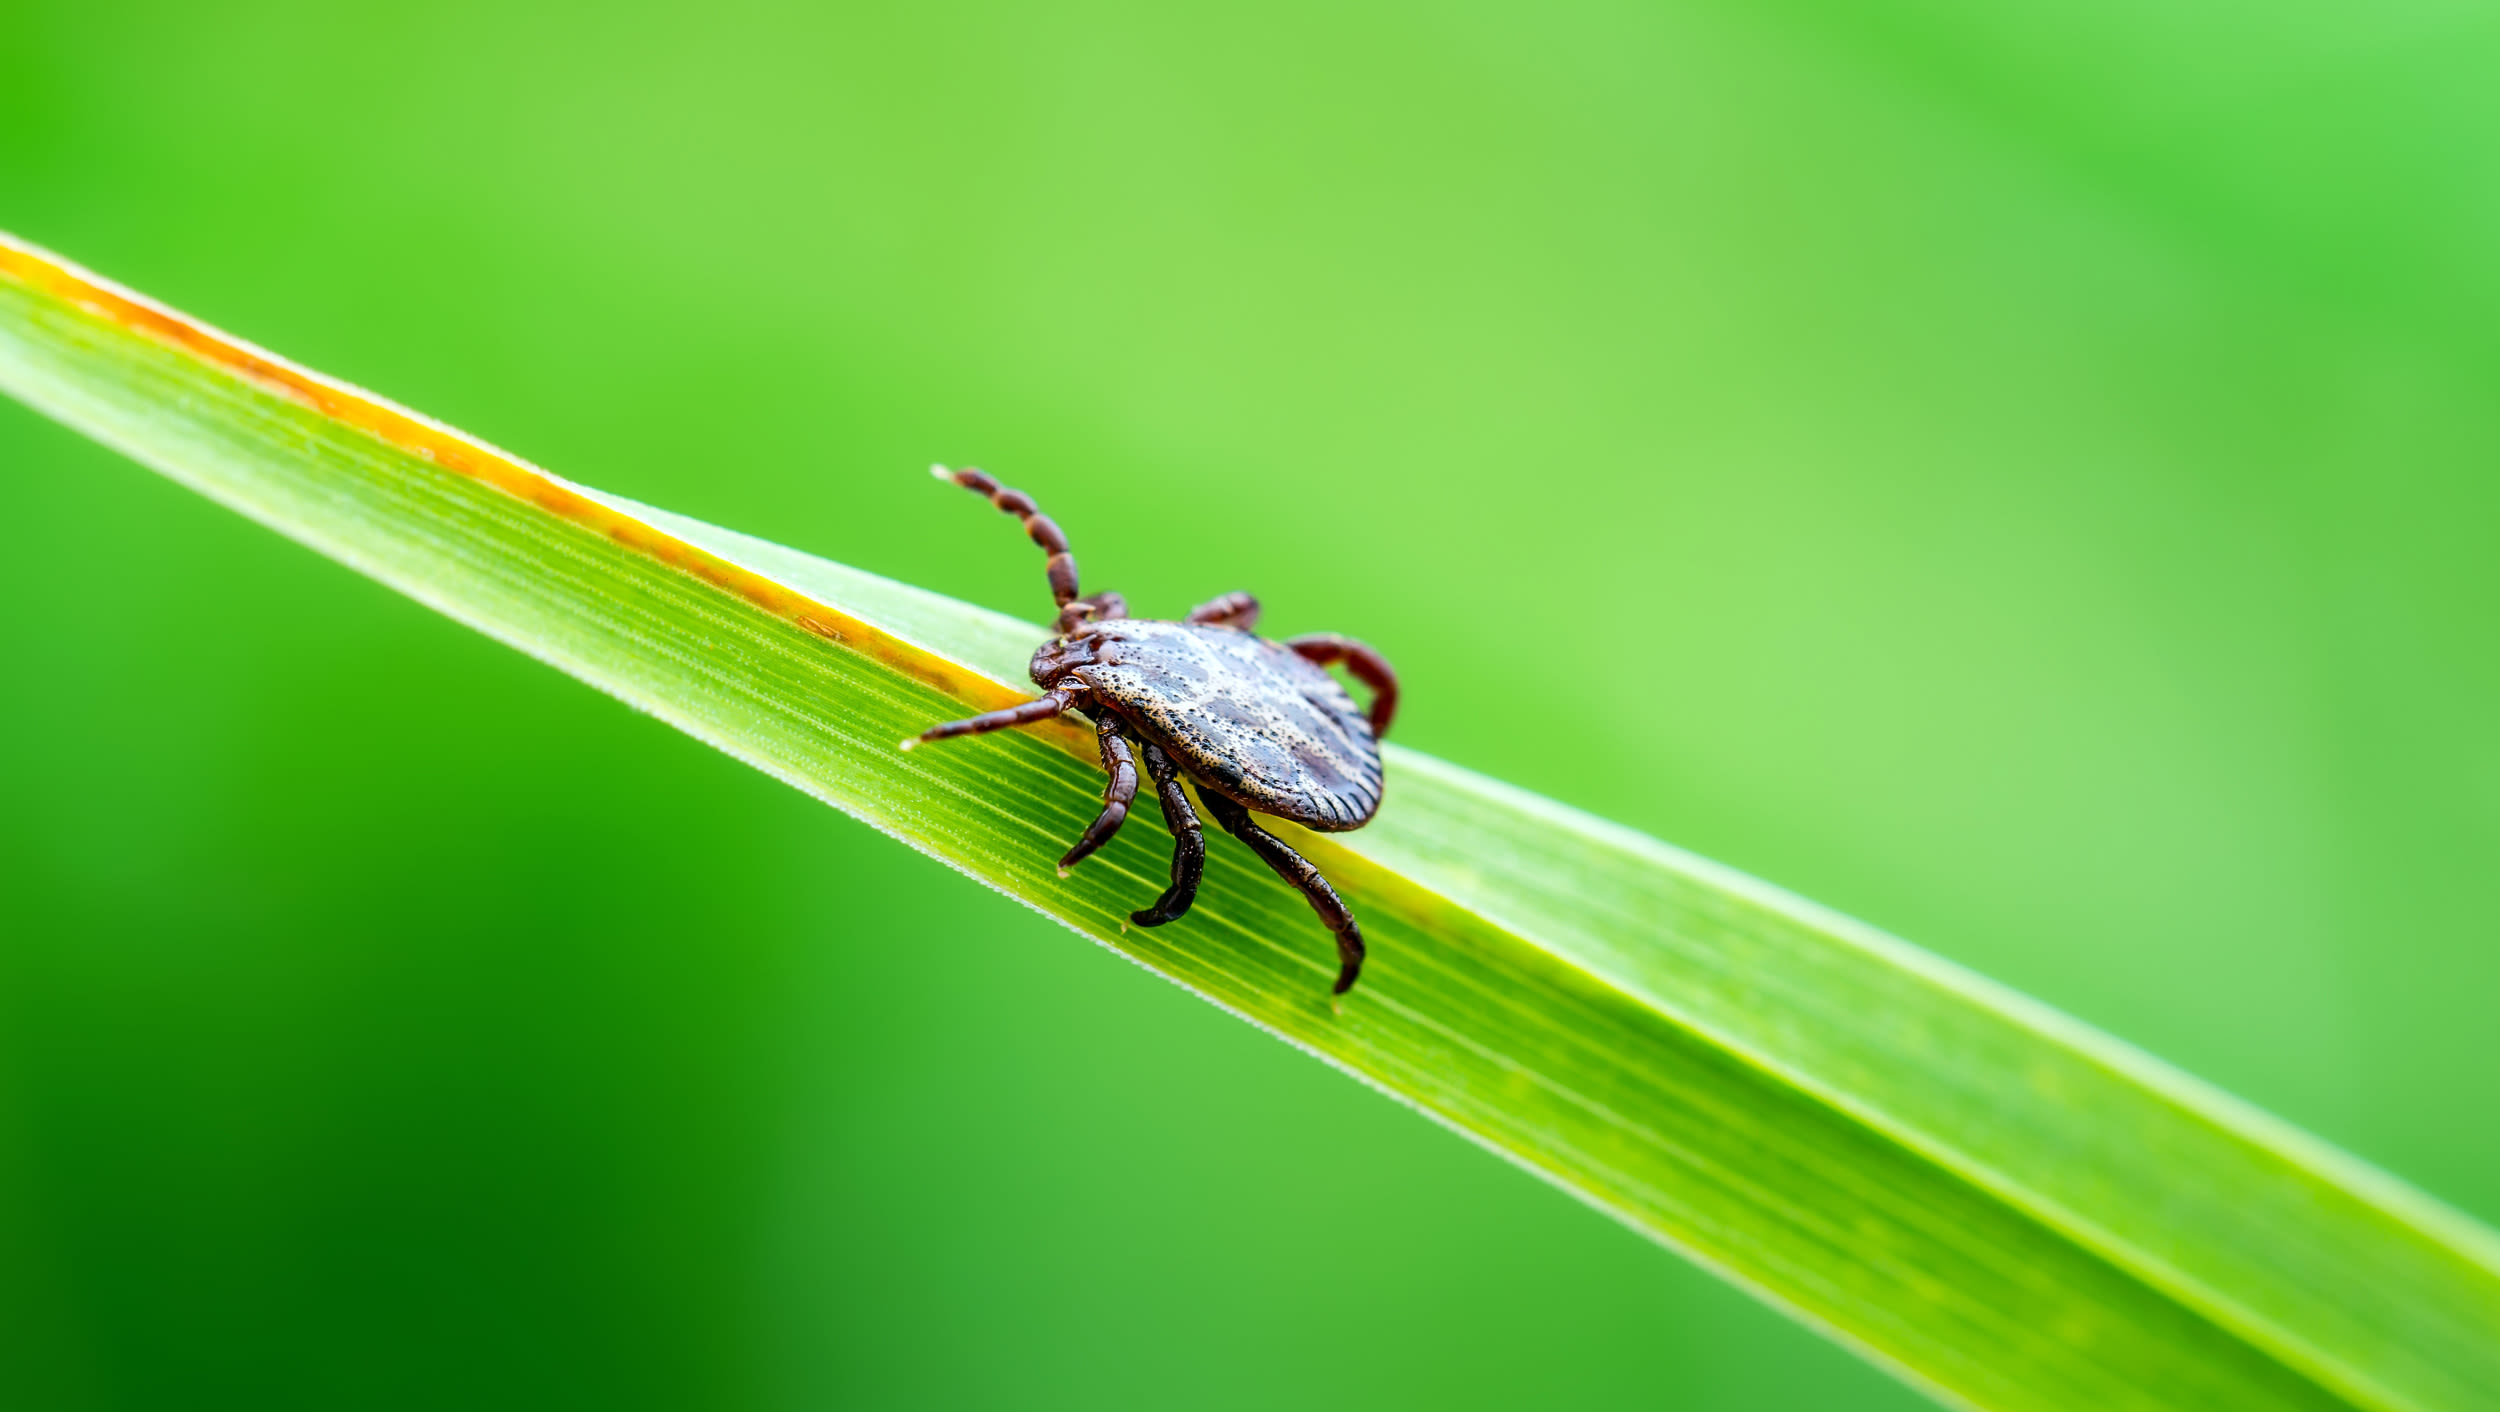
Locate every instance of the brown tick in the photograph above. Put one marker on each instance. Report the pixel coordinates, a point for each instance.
(1257, 726)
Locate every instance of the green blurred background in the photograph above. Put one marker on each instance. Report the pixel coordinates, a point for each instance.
(2023, 474)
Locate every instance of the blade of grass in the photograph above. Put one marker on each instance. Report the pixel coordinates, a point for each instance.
(1991, 1200)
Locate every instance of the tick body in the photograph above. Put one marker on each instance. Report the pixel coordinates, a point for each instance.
(1259, 727)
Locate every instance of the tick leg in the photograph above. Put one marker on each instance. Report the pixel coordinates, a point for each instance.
(1061, 565)
(1368, 666)
(1115, 795)
(1092, 608)
(1233, 610)
(1297, 870)
(1050, 703)
(1189, 846)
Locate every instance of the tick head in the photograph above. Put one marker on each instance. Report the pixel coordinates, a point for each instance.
(1059, 656)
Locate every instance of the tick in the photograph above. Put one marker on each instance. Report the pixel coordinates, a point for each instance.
(1259, 727)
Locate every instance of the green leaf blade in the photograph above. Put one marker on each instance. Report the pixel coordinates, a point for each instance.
(1986, 1197)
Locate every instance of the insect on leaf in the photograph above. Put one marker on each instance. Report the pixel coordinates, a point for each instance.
(1991, 1200)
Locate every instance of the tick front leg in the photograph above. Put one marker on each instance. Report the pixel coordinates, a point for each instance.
(1041, 708)
(1189, 845)
(1233, 610)
(1297, 870)
(1368, 666)
(1115, 795)
(1092, 608)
